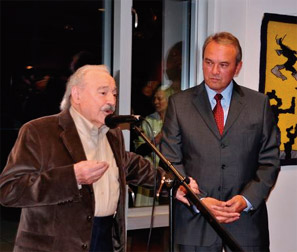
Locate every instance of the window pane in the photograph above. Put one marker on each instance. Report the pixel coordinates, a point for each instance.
(160, 56)
(39, 42)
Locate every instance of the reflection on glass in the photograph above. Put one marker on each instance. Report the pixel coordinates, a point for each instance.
(38, 47)
(151, 126)
(159, 68)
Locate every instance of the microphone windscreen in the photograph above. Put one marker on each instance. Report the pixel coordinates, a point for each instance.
(112, 120)
(109, 122)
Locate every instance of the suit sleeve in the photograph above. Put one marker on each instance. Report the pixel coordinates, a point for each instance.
(171, 144)
(27, 180)
(257, 190)
(138, 170)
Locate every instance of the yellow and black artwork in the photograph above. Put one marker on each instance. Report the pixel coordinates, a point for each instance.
(278, 78)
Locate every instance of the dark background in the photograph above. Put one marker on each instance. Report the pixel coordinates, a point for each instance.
(45, 35)
(38, 42)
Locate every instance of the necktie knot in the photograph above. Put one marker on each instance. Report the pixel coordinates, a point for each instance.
(218, 97)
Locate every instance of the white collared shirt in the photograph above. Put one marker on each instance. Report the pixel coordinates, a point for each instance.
(97, 147)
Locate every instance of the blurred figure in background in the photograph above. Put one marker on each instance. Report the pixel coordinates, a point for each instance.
(173, 68)
(83, 58)
(155, 120)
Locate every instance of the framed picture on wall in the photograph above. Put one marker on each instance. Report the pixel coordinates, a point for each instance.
(278, 78)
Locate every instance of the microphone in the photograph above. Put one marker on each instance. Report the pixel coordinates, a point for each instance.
(112, 120)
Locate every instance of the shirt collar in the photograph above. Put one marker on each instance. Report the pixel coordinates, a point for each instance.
(227, 93)
(84, 125)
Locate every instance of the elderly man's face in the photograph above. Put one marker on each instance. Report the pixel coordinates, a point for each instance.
(96, 98)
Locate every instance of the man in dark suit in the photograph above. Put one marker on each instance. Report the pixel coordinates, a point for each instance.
(234, 161)
(68, 172)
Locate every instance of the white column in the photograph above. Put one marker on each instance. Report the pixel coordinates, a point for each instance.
(122, 57)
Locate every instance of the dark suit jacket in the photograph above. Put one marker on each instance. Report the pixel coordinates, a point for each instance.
(244, 160)
(39, 178)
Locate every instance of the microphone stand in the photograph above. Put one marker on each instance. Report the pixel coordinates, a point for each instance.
(171, 245)
(193, 198)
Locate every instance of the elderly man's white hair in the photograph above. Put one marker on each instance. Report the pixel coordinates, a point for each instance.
(76, 79)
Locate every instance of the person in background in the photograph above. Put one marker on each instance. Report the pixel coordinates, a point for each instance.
(225, 137)
(68, 172)
(173, 68)
(152, 127)
(155, 121)
(142, 98)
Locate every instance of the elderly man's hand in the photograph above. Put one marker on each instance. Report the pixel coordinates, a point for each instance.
(89, 171)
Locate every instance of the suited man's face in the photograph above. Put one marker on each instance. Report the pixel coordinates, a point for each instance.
(219, 65)
(96, 98)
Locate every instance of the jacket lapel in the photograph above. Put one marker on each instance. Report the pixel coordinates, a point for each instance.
(70, 137)
(236, 106)
(115, 146)
(201, 103)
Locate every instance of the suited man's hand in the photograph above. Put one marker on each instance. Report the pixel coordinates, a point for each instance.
(236, 204)
(181, 191)
(220, 210)
(158, 138)
(89, 171)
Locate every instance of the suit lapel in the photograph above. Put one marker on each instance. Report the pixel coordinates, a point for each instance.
(236, 106)
(116, 144)
(70, 137)
(201, 103)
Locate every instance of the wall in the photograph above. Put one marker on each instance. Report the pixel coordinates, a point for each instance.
(243, 18)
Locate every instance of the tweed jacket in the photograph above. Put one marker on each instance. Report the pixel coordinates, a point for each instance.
(39, 178)
(244, 160)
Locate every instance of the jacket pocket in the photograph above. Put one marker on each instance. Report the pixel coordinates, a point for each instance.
(29, 241)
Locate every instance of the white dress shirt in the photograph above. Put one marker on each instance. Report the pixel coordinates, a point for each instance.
(97, 147)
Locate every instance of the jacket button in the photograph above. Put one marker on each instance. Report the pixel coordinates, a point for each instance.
(219, 188)
(223, 166)
(89, 218)
(84, 246)
(223, 145)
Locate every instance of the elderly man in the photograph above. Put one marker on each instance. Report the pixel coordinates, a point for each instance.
(68, 172)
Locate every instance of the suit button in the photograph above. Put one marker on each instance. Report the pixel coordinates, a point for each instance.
(84, 246)
(219, 188)
(223, 145)
(89, 218)
(223, 166)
